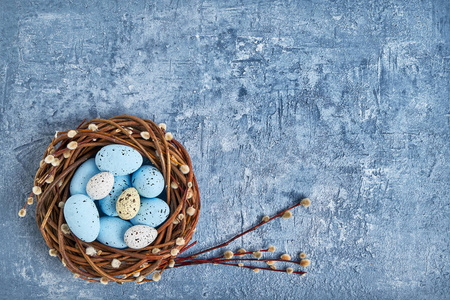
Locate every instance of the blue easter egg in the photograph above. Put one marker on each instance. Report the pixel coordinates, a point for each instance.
(118, 159)
(153, 212)
(148, 181)
(108, 204)
(82, 216)
(112, 232)
(82, 175)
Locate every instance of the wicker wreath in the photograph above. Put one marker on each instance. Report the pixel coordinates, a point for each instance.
(68, 150)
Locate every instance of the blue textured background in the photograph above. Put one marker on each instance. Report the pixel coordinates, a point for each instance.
(346, 102)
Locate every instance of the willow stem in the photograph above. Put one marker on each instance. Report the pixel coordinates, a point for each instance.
(245, 232)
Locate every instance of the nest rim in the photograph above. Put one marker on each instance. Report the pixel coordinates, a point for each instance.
(167, 154)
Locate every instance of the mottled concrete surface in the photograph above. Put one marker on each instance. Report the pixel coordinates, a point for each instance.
(346, 102)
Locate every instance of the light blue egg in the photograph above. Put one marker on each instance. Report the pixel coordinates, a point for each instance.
(82, 175)
(148, 181)
(108, 204)
(82, 216)
(118, 159)
(153, 212)
(112, 232)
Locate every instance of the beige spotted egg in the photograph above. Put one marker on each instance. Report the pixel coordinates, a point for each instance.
(99, 186)
(140, 236)
(128, 203)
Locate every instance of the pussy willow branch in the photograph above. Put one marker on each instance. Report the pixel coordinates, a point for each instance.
(243, 233)
(221, 262)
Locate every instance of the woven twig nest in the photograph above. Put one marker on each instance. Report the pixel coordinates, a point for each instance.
(68, 150)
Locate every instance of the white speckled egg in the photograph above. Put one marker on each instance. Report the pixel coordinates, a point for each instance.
(140, 236)
(81, 215)
(128, 203)
(99, 186)
(118, 159)
(82, 175)
(149, 181)
(153, 212)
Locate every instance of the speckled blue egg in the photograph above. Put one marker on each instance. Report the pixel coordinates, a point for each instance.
(108, 204)
(148, 181)
(82, 216)
(112, 232)
(82, 175)
(153, 212)
(118, 159)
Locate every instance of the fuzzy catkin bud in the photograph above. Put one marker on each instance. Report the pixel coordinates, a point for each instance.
(289, 270)
(93, 127)
(257, 254)
(256, 270)
(168, 136)
(22, 213)
(163, 126)
(171, 263)
(53, 252)
(91, 251)
(184, 169)
(37, 190)
(65, 228)
(305, 202)
(30, 200)
(305, 262)
(180, 241)
(271, 248)
(287, 215)
(104, 280)
(174, 252)
(174, 185)
(156, 276)
(49, 158)
(285, 257)
(156, 250)
(72, 145)
(145, 135)
(228, 254)
(265, 218)
(190, 211)
(302, 255)
(66, 154)
(49, 179)
(72, 133)
(56, 162)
